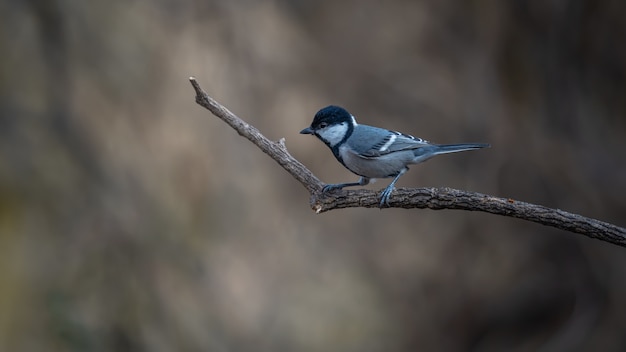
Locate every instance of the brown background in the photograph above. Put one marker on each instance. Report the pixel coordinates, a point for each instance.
(133, 220)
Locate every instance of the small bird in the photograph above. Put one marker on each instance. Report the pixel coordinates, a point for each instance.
(373, 152)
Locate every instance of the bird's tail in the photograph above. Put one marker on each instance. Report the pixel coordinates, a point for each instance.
(453, 148)
(425, 153)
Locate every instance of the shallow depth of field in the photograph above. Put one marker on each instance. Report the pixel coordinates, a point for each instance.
(131, 219)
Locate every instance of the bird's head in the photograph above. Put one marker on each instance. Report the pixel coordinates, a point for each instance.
(332, 125)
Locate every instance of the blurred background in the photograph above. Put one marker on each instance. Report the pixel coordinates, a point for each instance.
(131, 219)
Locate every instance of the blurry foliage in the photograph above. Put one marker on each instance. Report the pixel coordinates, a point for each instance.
(132, 220)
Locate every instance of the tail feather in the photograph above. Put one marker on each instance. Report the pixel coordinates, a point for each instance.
(425, 153)
(453, 148)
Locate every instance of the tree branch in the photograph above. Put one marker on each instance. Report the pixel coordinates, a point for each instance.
(432, 198)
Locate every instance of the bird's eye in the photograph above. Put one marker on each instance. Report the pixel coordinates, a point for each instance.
(323, 125)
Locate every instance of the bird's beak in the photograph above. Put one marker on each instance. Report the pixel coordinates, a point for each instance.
(307, 130)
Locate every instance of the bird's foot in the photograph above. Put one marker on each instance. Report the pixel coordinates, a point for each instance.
(332, 187)
(385, 195)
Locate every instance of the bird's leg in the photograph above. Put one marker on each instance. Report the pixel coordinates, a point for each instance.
(362, 182)
(384, 197)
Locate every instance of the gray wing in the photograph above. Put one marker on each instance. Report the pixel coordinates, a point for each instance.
(373, 141)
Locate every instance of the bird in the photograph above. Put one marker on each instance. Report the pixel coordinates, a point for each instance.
(372, 152)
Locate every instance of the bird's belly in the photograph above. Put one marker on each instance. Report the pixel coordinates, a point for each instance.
(379, 167)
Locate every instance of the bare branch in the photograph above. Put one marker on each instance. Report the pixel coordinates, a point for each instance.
(432, 198)
(276, 150)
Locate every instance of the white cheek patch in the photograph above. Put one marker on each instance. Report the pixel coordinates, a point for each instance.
(386, 146)
(333, 134)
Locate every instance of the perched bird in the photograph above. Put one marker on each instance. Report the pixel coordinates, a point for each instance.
(373, 152)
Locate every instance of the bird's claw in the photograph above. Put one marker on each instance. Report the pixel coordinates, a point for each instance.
(384, 197)
(331, 187)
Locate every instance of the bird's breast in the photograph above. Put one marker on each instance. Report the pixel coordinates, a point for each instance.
(374, 167)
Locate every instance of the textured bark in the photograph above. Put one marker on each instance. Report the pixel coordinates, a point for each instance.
(432, 198)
